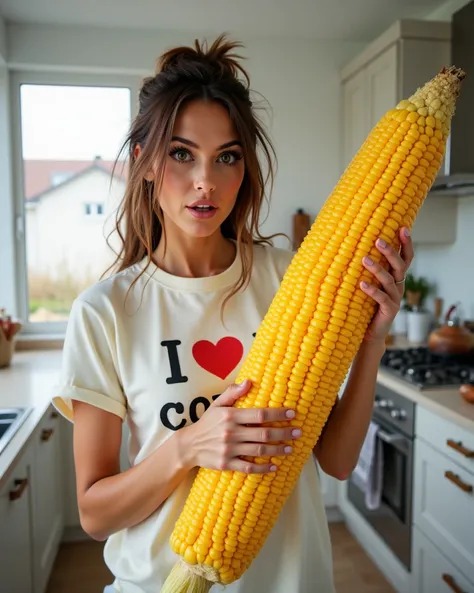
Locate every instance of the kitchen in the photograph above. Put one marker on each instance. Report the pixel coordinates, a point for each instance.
(425, 424)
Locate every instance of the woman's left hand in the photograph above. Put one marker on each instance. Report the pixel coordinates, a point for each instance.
(390, 293)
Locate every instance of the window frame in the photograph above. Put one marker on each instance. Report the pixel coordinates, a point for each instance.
(48, 329)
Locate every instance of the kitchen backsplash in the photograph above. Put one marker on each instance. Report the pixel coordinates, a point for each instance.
(451, 268)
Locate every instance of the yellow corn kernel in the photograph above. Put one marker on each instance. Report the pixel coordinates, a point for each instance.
(312, 331)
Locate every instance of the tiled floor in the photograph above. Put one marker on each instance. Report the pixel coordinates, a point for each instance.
(80, 569)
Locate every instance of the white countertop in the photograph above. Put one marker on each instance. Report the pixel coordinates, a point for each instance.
(30, 380)
(27, 383)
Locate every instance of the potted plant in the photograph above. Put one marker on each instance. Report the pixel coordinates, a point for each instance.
(418, 318)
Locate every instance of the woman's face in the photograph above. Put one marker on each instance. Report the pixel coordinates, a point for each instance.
(203, 172)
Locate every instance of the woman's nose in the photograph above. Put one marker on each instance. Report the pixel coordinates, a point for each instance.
(204, 180)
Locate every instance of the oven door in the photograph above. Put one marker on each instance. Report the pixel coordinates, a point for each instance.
(392, 520)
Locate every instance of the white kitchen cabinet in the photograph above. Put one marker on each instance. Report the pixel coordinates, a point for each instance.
(432, 572)
(444, 505)
(443, 500)
(382, 84)
(390, 69)
(356, 116)
(16, 567)
(47, 497)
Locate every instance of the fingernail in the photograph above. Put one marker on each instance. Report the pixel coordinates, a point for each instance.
(290, 414)
(368, 261)
(382, 243)
(273, 468)
(407, 233)
(364, 285)
(296, 432)
(288, 449)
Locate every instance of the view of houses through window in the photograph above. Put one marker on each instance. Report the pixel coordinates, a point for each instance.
(71, 136)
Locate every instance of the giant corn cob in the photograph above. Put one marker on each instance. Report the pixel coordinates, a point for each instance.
(312, 331)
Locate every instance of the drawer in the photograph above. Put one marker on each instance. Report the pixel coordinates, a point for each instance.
(454, 441)
(443, 505)
(432, 571)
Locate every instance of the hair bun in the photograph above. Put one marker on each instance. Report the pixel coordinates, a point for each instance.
(220, 56)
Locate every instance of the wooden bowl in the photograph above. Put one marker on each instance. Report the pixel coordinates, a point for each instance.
(467, 392)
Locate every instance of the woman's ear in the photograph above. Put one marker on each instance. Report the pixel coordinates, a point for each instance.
(136, 153)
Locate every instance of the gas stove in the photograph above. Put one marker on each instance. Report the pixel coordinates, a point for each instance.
(425, 370)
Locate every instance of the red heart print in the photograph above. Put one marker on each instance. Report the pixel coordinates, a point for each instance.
(219, 359)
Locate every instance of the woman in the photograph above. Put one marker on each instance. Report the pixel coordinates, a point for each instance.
(161, 338)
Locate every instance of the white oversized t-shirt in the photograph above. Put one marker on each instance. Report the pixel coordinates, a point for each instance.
(156, 355)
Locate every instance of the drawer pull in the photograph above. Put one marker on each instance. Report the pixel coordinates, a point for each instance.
(20, 486)
(46, 434)
(459, 447)
(457, 480)
(449, 580)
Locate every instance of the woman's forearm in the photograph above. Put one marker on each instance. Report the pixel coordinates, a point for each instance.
(339, 446)
(125, 499)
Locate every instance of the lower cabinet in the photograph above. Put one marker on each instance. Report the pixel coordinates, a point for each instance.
(443, 509)
(47, 498)
(432, 571)
(16, 558)
(31, 512)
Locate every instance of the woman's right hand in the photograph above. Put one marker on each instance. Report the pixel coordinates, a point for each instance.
(224, 434)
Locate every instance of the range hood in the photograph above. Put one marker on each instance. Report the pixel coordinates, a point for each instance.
(457, 176)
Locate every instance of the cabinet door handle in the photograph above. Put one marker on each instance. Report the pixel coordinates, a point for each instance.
(457, 480)
(54, 415)
(20, 486)
(46, 434)
(460, 448)
(449, 580)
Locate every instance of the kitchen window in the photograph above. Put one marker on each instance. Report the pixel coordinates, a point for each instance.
(67, 134)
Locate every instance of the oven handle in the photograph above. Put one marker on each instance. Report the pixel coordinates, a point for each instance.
(390, 438)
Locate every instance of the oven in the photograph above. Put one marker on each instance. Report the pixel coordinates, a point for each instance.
(395, 416)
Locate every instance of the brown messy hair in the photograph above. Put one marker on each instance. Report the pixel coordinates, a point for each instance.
(184, 74)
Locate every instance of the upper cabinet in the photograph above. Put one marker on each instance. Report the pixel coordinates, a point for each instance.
(390, 69)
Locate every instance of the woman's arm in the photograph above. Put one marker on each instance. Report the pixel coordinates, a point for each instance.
(110, 500)
(339, 447)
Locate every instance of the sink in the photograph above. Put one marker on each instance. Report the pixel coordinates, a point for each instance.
(10, 421)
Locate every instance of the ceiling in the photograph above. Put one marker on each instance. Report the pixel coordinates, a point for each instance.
(358, 20)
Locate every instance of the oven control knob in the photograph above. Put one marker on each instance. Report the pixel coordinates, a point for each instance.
(398, 414)
(384, 403)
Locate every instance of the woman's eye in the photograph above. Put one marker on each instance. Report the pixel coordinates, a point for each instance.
(229, 158)
(181, 155)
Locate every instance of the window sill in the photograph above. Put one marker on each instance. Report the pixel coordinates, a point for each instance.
(39, 342)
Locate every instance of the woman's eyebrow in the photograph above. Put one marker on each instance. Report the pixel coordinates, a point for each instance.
(194, 145)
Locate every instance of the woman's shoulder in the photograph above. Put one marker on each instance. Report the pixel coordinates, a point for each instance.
(272, 258)
(106, 294)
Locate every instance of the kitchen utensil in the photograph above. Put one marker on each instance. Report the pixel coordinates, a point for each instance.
(451, 337)
(438, 309)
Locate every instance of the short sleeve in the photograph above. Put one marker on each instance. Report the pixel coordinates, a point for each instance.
(89, 372)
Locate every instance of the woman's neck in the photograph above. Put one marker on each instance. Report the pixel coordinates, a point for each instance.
(191, 257)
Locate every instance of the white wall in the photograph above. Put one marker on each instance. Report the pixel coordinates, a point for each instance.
(3, 41)
(299, 79)
(7, 238)
(451, 268)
